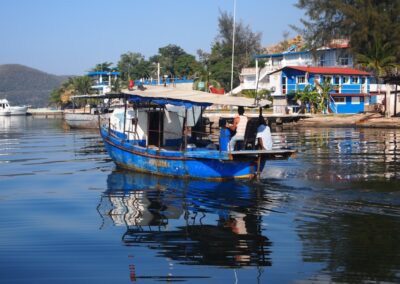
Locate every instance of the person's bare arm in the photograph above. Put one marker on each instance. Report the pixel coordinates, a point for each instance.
(260, 143)
(234, 125)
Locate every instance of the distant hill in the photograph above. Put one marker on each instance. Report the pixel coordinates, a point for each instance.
(22, 85)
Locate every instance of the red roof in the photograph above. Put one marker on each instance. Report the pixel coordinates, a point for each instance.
(329, 70)
(350, 95)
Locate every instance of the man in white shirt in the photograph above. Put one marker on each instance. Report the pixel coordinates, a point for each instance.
(263, 137)
(238, 126)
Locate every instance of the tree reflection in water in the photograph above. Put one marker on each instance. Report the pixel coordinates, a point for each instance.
(355, 248)
(192, 222)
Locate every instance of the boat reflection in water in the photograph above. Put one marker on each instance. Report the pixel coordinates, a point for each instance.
(192, 222)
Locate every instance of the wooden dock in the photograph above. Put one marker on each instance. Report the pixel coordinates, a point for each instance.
(277, 119)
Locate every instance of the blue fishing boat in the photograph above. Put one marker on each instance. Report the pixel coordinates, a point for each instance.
(159, 131)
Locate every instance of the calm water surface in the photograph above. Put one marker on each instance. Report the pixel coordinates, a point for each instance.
(68, 215)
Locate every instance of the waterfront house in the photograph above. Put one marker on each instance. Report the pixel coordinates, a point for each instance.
(336, 55)
(350, 87)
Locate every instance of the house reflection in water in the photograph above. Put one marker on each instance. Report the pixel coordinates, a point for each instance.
(192, 222)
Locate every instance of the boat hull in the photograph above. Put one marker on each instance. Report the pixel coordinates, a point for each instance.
(83, 120)
(18, 110)
(209, 164)
(5, 113)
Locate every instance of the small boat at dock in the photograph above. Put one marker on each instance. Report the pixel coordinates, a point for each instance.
(6, 109)
(158, 131)
(86, 118)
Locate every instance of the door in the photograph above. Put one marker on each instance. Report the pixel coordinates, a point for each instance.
(155, 134)
(284, 85)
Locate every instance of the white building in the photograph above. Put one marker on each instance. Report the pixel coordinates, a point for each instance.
(338, 56)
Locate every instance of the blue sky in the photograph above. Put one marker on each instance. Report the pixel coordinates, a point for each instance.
(70, 37)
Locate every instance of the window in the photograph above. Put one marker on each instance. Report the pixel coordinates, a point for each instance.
(336, 80)
(346, 80)
(344, 60)
(250, 78)
(321, 60)
(363, 80)
(277, 61)
(340, 100)
(354, 80)
(355, 100)
(301, 79)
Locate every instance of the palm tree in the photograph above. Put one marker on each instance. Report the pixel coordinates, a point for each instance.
(378, 57)
(82, 85)
(324, 91)
(105, 66)
(61, 96)
(308, 95)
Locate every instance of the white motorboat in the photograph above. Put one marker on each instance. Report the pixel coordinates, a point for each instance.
(6, 109)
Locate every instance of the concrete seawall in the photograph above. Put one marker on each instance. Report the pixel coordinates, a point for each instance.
(45, 113)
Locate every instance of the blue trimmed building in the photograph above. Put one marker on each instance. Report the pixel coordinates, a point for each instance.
(350, 94)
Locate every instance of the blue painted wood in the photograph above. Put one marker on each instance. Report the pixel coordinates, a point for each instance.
(347, 90)
(201, 164)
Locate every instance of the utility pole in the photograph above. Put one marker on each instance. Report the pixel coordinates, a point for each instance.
(233, 41)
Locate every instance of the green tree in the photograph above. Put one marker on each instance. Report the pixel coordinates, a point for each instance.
(247, 44)
(360, 21)
(105, 66)
(61, 96)
(55, 97)
(82, 85)
(309, 95)
(378, 58)
(133, 65)
(175, 62)
(325, 89)
(186, 65)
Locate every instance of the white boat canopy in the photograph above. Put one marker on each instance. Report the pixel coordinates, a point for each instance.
(164, 95)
